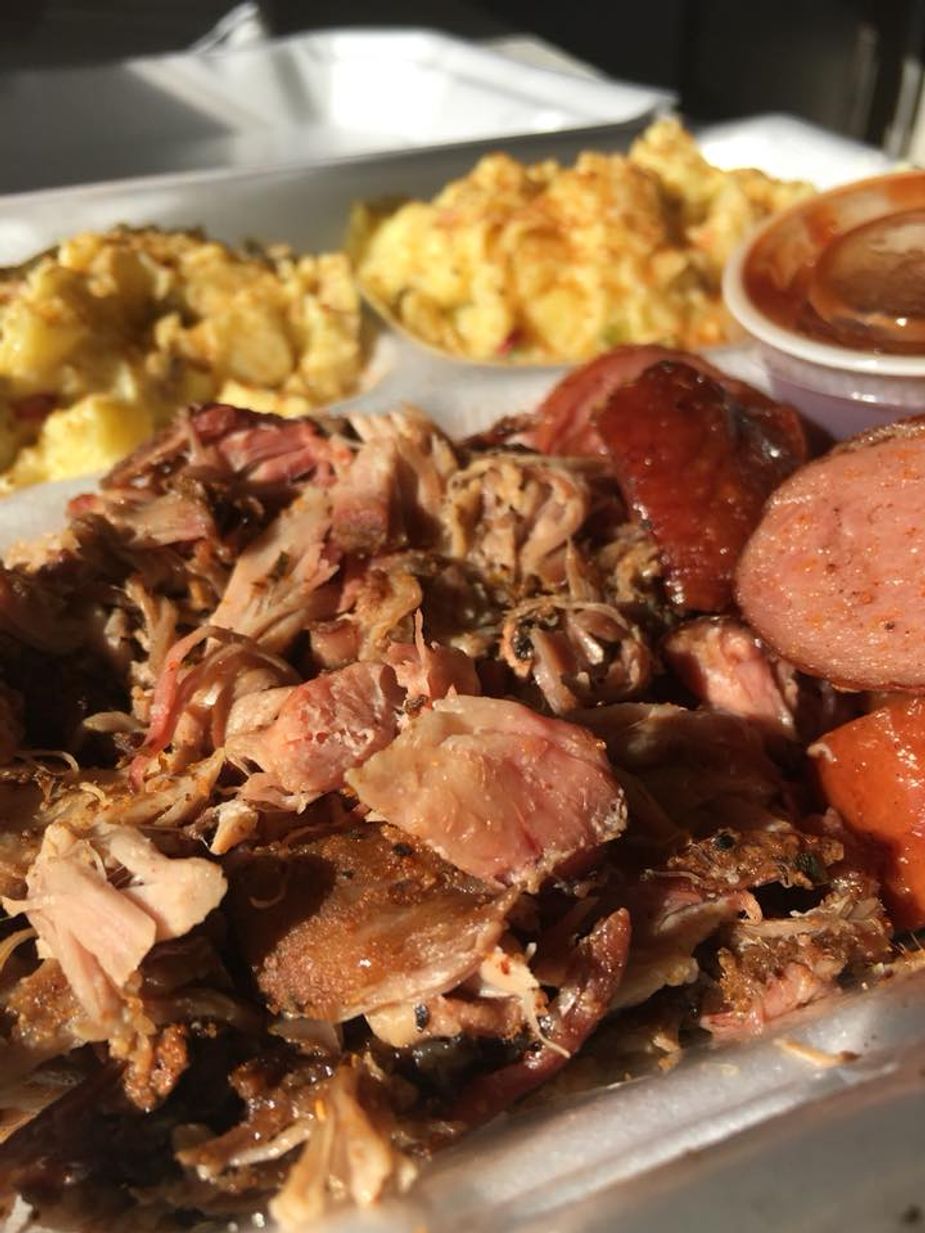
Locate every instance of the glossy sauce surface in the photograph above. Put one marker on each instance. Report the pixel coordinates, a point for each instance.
(849, 268)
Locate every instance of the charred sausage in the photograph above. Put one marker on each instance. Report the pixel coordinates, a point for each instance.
(696, 465)
(566, 416)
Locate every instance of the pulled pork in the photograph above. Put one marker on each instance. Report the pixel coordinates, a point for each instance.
(386, 771)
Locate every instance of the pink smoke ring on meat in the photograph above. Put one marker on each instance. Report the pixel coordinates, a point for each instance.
(499, 791)
(324, 728)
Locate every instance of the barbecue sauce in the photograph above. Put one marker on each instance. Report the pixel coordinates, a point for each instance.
(852, 277)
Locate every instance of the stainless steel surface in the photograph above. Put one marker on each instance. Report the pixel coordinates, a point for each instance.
(308, 98)
(303, 205)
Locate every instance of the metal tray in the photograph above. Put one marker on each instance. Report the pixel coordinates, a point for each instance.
(308, 98)
(751, 1138)
(303, 204)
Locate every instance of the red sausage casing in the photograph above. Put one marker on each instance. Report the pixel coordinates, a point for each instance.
(565, 420)
(696, 465)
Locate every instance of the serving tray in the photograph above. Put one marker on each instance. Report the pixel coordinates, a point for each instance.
(307, 98)
(815, 1126)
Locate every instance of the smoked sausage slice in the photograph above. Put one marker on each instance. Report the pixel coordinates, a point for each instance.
(566, 417)
(696, 465)
(833, 579)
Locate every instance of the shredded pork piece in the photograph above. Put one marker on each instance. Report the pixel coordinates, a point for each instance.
(358, 920)
(427, 672)
(423, 462)
(323, 729)
(576, 652)
(589, 988)
(98, 933)
(496, 789)
(269, 592)
(192, 706)
(513, 515)
(769, 968)
(725, 665)
(349, 1152)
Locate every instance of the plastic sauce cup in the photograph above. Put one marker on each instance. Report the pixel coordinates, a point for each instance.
(833, 293)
